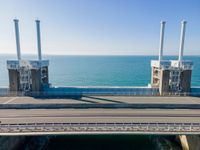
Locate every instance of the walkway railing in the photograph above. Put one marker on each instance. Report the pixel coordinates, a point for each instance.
(93, 93)
(49, 94)
(91, 128)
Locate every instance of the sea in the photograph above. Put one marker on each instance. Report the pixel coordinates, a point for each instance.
(98, 71)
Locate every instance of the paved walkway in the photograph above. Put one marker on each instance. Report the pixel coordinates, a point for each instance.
(102, 100)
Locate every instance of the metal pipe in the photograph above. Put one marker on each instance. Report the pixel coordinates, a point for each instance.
(182, 39)
(17, 38)
(162, 30)
(38, 40)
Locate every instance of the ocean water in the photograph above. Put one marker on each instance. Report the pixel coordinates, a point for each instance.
(99, 70)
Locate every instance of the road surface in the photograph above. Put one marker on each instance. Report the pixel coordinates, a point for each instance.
(99, 120)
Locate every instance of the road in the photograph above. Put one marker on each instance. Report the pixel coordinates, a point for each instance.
(99, 120)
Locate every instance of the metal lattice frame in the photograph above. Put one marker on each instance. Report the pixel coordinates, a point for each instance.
(175, 80)
(25, 78)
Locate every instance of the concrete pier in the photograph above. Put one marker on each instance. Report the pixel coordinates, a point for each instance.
(31, 75)
(184, 142)
(28, 75)
(172, 76)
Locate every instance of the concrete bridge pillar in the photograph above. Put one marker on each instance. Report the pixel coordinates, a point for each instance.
(184, 142)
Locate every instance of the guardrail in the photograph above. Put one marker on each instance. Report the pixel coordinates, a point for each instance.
(78, 91)
(90, 128)
(57, 94)
(66, 94)
(110, 93)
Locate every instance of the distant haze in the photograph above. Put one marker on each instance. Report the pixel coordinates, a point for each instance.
(100, 27)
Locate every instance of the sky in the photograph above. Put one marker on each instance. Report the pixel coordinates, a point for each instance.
(100, 27)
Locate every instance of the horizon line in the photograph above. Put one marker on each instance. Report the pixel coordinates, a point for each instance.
(96, 54)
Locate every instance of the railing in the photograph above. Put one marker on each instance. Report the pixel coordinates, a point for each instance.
(110, 91)
(94, 93)
(99, 93)
(70, 128)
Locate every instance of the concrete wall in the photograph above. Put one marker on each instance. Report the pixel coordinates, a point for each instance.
(164, 82)
(186, 80)
(40, 77)
(36, 80)
(13, 80)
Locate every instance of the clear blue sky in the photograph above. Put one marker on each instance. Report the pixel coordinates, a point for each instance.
(93, 27)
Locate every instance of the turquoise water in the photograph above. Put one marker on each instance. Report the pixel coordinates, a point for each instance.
(100, 70)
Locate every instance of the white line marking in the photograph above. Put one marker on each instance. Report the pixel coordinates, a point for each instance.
(12, 99)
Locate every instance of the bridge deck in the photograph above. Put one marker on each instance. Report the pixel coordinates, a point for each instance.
(100, 120)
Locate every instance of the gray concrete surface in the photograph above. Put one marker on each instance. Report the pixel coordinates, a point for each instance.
(102, 100)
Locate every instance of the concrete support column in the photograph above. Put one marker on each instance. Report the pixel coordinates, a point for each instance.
(162, 29)
(182, 40)
(17, 39)
(184, 142)
(38, 40)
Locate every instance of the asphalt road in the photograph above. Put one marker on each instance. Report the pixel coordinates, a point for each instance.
(99, 115)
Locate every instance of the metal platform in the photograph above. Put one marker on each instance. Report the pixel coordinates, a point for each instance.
(31, 64)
